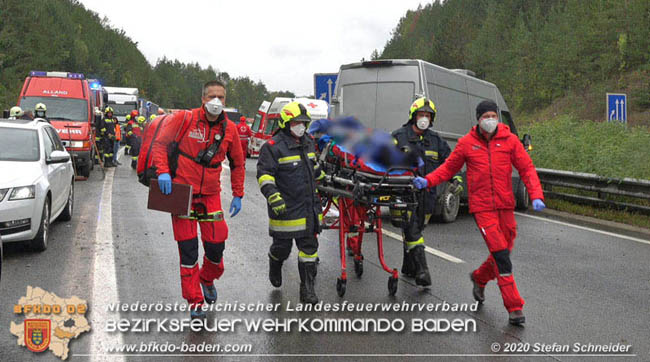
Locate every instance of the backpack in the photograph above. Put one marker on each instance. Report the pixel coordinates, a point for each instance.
(146, 170)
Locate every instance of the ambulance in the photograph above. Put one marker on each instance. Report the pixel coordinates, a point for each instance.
(265, 123)
(70, 109)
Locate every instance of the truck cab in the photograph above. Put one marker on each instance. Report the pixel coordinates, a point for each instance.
(70, 109)
(123, 101)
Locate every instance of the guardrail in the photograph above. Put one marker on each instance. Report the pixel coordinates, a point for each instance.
(628, 187)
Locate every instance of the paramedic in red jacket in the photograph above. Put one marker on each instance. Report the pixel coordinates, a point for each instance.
(490, 150)
(206, 138)
(245, 134)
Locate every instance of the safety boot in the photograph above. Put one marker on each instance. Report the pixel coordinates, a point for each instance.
(307, 279)
(275, 271)
(408, 266)
(516, 317)
(422, 276)
(197, 313)
(209, 293)
(477, 291)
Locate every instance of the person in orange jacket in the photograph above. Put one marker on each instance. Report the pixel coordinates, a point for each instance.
(205, 138)
(116, 144)
(490, 150)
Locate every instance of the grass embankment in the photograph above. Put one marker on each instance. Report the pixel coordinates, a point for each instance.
(605, 149)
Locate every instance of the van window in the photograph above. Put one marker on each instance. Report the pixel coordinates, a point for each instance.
(452, 115)
(69, 109)
(358, 100)
(256, 123)
(270, 127)
(507, 119)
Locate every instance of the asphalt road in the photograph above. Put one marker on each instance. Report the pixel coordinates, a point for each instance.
(580, 286)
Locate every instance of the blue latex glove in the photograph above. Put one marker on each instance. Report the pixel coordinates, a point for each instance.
(235, 206)
(165, 183)
(538, 205)
(420, 162)
(420, 183)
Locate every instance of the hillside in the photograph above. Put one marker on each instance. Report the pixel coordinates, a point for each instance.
(63, 35)
(537, 52)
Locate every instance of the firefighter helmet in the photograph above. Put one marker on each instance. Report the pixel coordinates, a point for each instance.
(16, 111)
(293, 111)
(424, 105)
(108, 110)
(39, 110)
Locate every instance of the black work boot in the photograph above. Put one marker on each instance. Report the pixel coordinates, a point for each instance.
(516, 317)
(477, 291)
(275, 271)
(408, 266)
(422, 276)
(307, 278)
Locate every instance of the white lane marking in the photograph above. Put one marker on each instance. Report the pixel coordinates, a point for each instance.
(585, 228)
(104, 279)
(428, 249)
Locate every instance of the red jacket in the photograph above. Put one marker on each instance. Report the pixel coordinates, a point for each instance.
(198, 134)
(489, 169)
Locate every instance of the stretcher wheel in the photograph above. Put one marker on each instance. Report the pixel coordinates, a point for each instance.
(392, 286)
(340, 286)
(358, 267)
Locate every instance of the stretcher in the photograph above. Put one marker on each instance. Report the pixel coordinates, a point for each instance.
(358, 190)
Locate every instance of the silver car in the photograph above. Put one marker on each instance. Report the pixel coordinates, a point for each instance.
(36, 181)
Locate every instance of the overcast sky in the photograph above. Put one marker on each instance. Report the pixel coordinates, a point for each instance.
(281, 43)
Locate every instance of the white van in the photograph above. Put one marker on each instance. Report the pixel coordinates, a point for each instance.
(380, 93)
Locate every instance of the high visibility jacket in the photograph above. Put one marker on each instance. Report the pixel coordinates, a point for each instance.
(118, 132)
(199, 134)
(428, 146)
(108, 127)
(489, 169)
(290, 168)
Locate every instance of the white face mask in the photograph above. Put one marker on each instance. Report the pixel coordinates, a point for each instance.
(423, 123)
(214, 107)
(489, 124)
(298, 130)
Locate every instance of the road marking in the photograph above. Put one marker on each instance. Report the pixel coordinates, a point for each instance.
(428, 249)
(104, 279)
(586, 228)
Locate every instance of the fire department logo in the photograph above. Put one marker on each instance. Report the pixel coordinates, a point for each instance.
(37, 334)
(288, 113)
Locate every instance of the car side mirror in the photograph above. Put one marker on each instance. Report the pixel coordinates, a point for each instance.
(527, 142)
(58, 157)
(5, 114)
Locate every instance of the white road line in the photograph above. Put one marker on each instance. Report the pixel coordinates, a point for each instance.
(586, 228)
(104, 279)
(428, 249)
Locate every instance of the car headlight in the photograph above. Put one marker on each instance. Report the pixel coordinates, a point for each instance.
(21, 193)
(3, 192)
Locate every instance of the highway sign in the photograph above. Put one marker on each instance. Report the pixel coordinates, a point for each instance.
(617, 107)
(324, 84)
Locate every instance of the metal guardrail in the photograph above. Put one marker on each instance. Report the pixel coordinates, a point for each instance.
(628, 187)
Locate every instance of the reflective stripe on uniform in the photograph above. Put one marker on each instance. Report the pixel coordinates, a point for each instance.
(288, 159)
(321, 176)
(306, 258)
(213, 216)
(266, 180)
(431, 154)
(411, 244)
(288, 225)
(311, 155)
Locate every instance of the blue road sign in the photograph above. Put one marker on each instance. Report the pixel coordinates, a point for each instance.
(324, 84)
(617, 107)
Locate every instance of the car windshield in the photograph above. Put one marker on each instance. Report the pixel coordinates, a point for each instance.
(122, 109)
(18, 144)
(69, 109)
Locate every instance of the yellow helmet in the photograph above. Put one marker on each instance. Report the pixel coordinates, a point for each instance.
(293, 111)
(141, 119)
(16, 111)
(128, 117)
(152, 117)
(424, 105)
(108, 110)
(40, 107)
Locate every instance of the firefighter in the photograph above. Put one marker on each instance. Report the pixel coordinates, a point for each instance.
(131, 120)
(107, 132)
(245, 134)
(490, 150)
(205, 139)
(135, 131)
(40, 111)
(416, 138)
(99, 123)
(287, 172)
